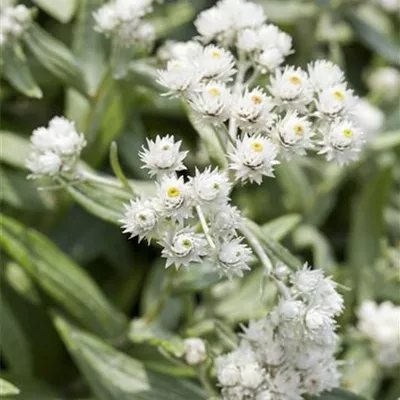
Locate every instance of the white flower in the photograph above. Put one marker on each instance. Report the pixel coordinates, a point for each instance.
(163, 156)
(291, 86)
(210, 188)
(248, 40)
(290, 310)
(216, 63)
(183, 247)
(179, 77)
(381, 324)
(253, 158)
(264, 395)
(195, 351)
(369, 118)
(13, 23)
(251, 375)
(324, 74)
(233, 257)
(55, 149)
(386, 82)
(327, 297)
(174, 198)
(321, 377)
(140, 219)
(189, 50)
(335, 100)
(319, 325)
(269, 59)
(106, 18)
(342, 142)
(306, 280)
(224, 220)
(212, 101)
(252, 111)
(293, 134)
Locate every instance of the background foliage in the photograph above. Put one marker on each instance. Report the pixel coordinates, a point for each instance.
(81, 316)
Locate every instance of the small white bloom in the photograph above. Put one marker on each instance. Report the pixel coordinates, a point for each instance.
(290, 310)
(252, 111)
(247, 40)
(253, 158)
(342, 142)
(13, 23)
(335, 100)
(216, 63)
(174, 198)
(307, 280)
(233, 257)
(179, 77)
(251, 375)
(44, 164)
(319, 326)
(291, 86)
(195, 351)
(183, 247)
(321, 377)
(213, 24)
(212, 101)
(324, 74)
(264, 395)
(189, 50)
(210, 188)
(293, 134)
(224, 220)
(269, 59)
(140, 219)
(106, 18)
(163, 156)
(369, 118)
(327, 297)
(386, 82)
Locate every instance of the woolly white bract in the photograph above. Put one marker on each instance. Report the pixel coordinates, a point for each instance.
(195, 351)
(55, 150)
(13, 22)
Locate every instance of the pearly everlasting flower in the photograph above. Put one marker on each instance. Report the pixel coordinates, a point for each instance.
(174, 50)
(271, 37)
(306, 280)
(252, 111)
(195, 351)
(13, 21)
(386, 82)
(380, 323)
(293, 134)
(179, 77)
(210, 188)
(216, 63)
(291, 86)
(233, 257)
(174, 198)
(335, 100)
(140, 219)
(342, 142)
(183, 247)
(319, 325)
(55, 149)
(212, 102)
(122, 19)
(253, 158)
(225, 220)
(324, 74)
(369, 118)
(163, 156)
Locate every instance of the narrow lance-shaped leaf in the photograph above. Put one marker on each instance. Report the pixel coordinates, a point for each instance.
(64, 281)
(63, 11)
(17, 72)
(7, 388)
(113, 375)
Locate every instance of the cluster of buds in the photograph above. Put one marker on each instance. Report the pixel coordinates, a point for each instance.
(290, 353)
(13, 23)
(380, 324)
(296, 111)
(123, 20)
(180, 207)
(55, 150)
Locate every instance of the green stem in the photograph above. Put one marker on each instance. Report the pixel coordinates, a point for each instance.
(116, 167)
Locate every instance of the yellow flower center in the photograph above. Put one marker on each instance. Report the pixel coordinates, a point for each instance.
(173, 192)
(348, 133)
(257, 146)
(256, 99)
(295, 80)
(216, 54)
(165, 147)
(216, 186)
(298, 130)
(186, 243)
(338, 95)
(214, 91)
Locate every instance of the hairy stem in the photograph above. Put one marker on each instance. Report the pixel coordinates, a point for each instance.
(204, 226)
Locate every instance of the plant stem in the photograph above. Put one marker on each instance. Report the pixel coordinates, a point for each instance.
(201, 373)
(204, 225)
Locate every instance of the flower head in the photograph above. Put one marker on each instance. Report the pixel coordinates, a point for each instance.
(324, 74)
(195, 351)
(216, 63)
(13, 22)
(335, 100)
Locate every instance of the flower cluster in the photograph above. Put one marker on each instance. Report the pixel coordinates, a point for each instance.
(290, 353)
(123, 20)
(13, 22)
(55, 150)
(296, 111)
(381, 324)
(172, 216)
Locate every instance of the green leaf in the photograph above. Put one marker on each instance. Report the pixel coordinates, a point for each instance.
(63, 11)
(121, 56)
(386, 141)
(55, 57)
(113, 375)
(142, 332)
(64, 281)
(14, 149)
(279, 228)
(288, 12)
(374, 39)
(336, 394)
(7, 388)
(17, 72)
